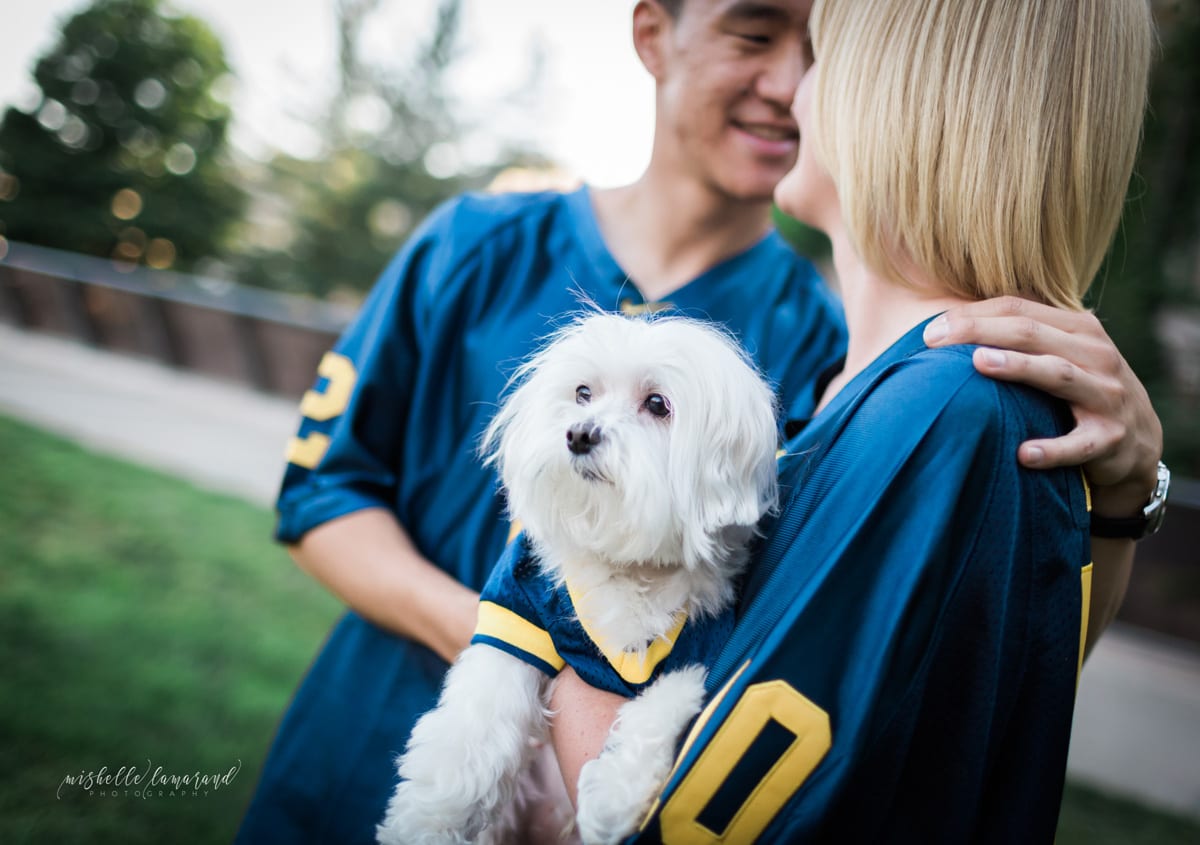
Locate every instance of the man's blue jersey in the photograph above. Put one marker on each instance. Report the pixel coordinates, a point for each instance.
(393, 422)
(525, 613)
(904, 665)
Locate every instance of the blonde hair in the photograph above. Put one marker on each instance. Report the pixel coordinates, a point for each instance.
(988, 143)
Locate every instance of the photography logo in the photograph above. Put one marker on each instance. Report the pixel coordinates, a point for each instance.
(146, 782)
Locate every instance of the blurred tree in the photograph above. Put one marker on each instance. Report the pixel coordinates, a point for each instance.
(1153, 266)
(390, 135)
(804, 239)
(122, 156)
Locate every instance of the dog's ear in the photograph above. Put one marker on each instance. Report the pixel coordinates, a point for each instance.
(722, 450)
(520, 394)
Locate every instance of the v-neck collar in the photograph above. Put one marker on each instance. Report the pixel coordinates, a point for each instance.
(610, 277)
(633, 667)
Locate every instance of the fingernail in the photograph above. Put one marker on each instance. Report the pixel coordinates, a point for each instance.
(1035, 455)
(937, 330)
(994, 357)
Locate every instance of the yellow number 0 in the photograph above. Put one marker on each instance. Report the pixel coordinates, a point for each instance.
(759, 704)
(319, 406)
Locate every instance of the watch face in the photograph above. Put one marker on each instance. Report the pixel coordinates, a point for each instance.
(1137, 527)
(1156, 511)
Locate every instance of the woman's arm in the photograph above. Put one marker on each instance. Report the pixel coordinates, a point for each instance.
(582, 718)
(1117, 437)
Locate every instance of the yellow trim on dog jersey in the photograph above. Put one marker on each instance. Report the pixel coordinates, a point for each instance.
(502, 624)
(633, 667)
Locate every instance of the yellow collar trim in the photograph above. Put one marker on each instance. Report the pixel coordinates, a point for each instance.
(633, 667)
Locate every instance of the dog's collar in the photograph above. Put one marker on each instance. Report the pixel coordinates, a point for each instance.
(633, 667)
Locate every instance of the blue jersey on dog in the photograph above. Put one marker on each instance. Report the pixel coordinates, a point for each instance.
(523, 612)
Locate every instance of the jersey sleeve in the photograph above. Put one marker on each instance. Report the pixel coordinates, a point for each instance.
(345, 456)
(906, 669)
(510, 611)
(814, 341)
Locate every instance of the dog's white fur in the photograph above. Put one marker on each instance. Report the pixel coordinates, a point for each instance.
(653, 519)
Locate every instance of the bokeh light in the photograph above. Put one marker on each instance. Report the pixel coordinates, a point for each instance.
(180, 159)
(85, 92)
(74, 133)
(187, 74)
(52, 115)
(126, 204)
(150, 94)
(443, 160)
(131, 245)
(160, 253)
(389, 219)
(10, 186)
(368, 114)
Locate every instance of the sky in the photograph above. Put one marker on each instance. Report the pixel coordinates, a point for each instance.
(593, 113)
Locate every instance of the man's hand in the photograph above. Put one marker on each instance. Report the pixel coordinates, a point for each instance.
(1117, 436)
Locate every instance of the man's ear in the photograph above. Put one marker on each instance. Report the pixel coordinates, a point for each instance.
(651, 29)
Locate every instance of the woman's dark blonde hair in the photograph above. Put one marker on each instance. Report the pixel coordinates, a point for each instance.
(987, 143)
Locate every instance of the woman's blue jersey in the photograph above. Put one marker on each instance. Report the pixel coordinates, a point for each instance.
(394, 419)
(904, 666)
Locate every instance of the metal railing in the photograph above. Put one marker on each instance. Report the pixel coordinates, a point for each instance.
(270, 341)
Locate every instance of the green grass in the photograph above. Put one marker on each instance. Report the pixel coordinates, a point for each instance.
(1089, 817)
(143, 619)
(140, 619)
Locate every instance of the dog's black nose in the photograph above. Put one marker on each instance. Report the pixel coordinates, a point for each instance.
(582, 438)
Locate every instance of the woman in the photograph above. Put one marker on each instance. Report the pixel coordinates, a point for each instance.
(905, 664)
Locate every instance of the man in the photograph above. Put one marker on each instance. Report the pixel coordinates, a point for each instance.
(385, 502)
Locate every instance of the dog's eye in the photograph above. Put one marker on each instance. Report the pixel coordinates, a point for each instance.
(657, 405)
(583, 394)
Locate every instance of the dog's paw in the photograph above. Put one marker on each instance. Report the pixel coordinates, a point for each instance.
(414, 817)
(668, 704)
(604, 815)
(616, 789)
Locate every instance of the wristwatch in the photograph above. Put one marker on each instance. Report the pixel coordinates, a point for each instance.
(1137, 527)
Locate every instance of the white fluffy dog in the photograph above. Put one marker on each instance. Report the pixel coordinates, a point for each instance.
(638, 455)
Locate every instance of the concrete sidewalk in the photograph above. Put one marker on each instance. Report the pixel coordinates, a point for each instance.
(220, 435)
(1137, 721)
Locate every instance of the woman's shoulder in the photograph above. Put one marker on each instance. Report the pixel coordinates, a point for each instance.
(926, 407)
(911, 392)
(945, 381)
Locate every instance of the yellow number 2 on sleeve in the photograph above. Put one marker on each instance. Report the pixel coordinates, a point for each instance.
(768, 745)
(321, 405)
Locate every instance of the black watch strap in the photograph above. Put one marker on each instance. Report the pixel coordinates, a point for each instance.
(1143, 525)
(1128, 528)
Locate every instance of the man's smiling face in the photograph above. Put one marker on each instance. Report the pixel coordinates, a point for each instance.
(729, 74)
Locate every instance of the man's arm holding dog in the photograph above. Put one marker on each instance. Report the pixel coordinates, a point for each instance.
(368, 561)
